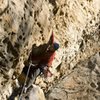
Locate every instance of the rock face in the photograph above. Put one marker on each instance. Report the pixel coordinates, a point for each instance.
(83, 83)
(21, 26)
(34, 93)
(76, 26)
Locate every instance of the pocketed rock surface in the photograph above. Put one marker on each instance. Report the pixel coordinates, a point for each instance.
(83, 83)
(76, 26)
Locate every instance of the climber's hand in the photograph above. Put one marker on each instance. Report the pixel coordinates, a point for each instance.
(45, 71)
(48, 73)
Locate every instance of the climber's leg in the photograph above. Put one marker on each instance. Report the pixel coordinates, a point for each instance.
(33, 76)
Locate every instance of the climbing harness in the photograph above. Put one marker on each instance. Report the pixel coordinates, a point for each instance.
(26, 80)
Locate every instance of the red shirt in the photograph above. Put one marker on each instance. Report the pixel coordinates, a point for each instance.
(47, 57)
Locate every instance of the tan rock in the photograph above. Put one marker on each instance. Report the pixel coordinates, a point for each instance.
(35, 93)
(25, 23)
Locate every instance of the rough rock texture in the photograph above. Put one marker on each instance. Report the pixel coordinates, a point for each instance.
(34, 93)
(76, 25)
(83, 83)
(20, 27)
(80, 41)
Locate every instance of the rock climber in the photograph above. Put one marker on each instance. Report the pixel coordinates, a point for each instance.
(44, 61)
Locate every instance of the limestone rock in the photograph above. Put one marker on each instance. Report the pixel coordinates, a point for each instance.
(34, 93)
(66, 60)
(76, 26)
(21, 26)
(83, 83)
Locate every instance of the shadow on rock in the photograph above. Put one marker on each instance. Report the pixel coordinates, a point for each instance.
(33, 93)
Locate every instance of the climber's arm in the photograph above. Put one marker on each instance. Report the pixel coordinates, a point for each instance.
(51, 41)
(50, 33)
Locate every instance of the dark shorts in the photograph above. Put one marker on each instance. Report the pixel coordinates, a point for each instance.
(43, 69)
(25, 70)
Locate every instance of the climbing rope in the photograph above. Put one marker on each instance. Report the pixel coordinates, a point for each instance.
(25, 81)
(30, 64)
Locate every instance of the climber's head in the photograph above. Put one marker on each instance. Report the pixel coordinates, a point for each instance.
(54, 47)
